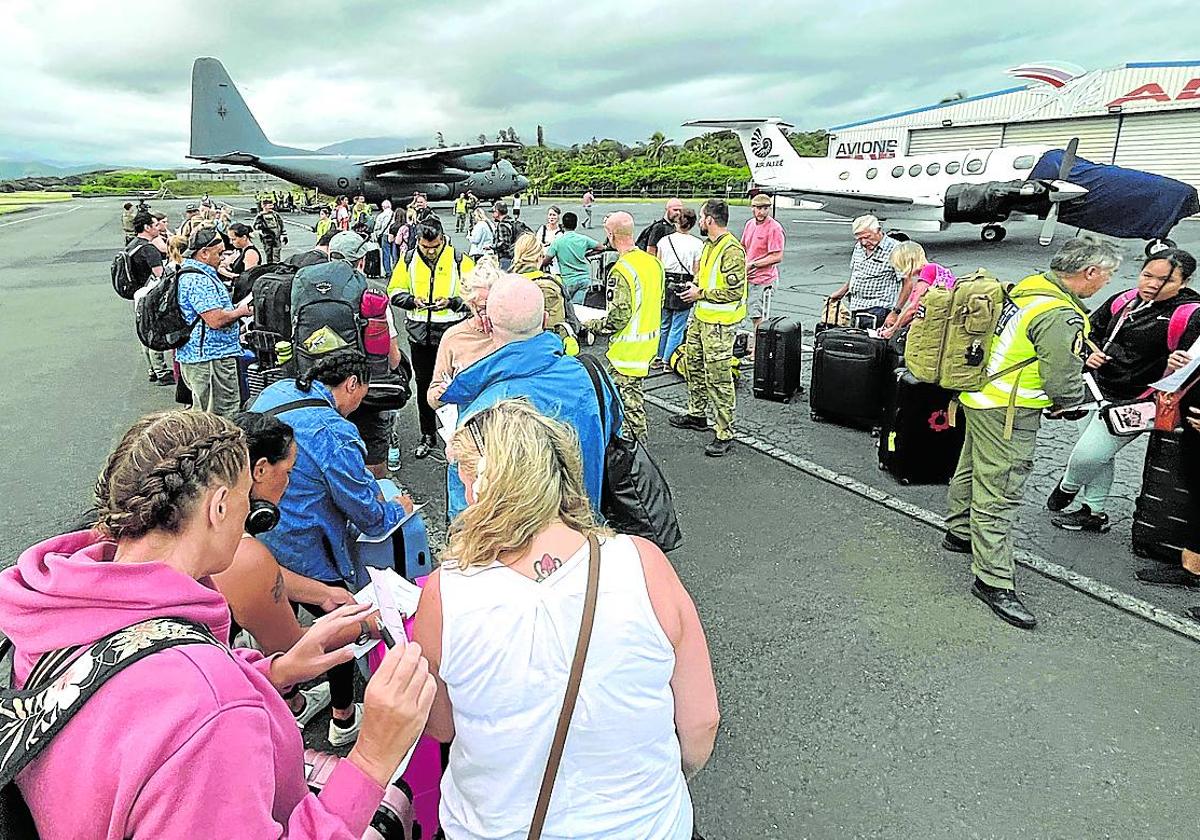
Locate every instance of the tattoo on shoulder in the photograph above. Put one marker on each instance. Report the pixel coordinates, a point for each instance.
(545, 567)
(277, 589)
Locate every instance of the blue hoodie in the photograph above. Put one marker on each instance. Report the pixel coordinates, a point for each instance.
(556, 384)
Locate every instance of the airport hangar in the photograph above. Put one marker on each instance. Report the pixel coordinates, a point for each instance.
(1143, 115)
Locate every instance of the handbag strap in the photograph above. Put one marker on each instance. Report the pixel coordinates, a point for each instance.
(598, 376)
(573, 681)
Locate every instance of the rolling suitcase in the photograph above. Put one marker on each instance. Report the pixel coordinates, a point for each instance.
(850, 377)
(777, 347)
(917, 444)
(1160, 515)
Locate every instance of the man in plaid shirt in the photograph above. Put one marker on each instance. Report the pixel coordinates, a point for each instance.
(874, 292)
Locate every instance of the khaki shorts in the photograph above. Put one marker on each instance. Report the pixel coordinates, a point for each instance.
(756, 299)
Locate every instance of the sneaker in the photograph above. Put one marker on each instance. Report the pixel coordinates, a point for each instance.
(1060, 499)
(424, 447)
(316, 699)
(1168, 576)
(688, 421)
(719, 448)
(1082, 520)
(393, 459)
(165, 379)
(341, 736)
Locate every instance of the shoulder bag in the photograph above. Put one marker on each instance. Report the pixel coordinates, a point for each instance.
(676, 282)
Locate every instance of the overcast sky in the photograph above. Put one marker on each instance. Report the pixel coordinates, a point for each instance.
(109, 82)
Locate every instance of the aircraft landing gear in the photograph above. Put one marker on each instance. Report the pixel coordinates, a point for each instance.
(993, 233)
(1156, 245)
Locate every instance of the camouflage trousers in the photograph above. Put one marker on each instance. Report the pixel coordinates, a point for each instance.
(273, 254)
(634, 403)
(708, 349)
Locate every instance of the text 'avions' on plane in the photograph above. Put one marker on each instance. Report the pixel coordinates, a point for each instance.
(977, 186)
(225, 131)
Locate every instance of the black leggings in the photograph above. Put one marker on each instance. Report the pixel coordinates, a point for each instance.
(1189, 451)
(424, 356)
(341, 677)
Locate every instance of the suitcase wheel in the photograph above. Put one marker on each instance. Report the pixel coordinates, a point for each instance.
(882, 467)
(904, 482)
(815, 417)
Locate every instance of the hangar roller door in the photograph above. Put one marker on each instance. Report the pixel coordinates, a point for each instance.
(1167, 143)
(923, 140)
(1097, 137)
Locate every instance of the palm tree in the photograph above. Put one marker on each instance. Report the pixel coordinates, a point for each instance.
(656, 148)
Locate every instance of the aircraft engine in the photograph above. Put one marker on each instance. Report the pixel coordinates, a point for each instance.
(473, 163)
(994, 201)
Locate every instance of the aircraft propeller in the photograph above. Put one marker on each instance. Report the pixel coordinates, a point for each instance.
(1060, 190)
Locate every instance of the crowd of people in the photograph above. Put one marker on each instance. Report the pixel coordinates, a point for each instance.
(229, 518)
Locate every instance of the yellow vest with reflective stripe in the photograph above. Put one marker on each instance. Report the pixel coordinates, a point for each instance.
(445, 282)
(1032, 297)
(633, 348)
(709, 277)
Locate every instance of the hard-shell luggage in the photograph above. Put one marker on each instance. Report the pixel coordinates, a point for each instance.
(850, 377)
(1160, 515)
(917, 444)
(777, 348)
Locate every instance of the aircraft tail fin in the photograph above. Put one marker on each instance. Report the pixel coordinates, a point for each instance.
(773, 163)
(222, 124)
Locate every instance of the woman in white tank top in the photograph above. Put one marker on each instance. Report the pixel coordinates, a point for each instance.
(499, 621)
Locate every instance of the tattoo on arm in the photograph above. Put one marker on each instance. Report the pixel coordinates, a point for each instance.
(545, 567)
(278, 589)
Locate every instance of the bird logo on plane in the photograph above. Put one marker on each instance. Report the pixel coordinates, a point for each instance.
(760, 145)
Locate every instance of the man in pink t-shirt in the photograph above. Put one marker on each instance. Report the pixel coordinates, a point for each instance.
(763, 240)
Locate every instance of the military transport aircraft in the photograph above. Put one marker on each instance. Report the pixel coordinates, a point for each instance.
(225, 131)
(978, 186)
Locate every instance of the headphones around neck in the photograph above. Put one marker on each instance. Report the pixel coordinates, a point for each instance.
(263, 516)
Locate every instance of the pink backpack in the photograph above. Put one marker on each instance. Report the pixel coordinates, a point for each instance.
(1179, 318)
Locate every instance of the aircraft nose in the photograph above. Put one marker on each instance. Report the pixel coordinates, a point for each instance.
(522, 183)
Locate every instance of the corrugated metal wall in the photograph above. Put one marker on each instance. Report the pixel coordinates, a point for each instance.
(1166, 143)
(1097, 136)
(954, 138)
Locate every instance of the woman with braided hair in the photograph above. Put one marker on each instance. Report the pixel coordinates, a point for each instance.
(192, 738)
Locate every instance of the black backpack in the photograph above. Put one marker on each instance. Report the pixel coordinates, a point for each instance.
(158, 316)
(326, 311)
(271, 288)
(121, 270)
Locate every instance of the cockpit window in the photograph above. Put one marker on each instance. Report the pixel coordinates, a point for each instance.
(1023, 162)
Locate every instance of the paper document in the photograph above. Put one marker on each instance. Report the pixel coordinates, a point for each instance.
(589, 313)
(447, 417)
(395, 598)
(378, 538)
(1179, 378)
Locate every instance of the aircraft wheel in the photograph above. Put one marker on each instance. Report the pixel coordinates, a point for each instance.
(993, 233)
(1156, 245)
(899, 236)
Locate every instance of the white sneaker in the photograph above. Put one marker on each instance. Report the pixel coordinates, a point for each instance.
(315, 700)
(339, 736)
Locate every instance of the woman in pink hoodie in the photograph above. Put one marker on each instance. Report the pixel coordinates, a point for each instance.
(194, 740)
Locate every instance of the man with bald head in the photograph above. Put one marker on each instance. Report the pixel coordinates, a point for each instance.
(528, 362)
(634, 312)
(648, 239)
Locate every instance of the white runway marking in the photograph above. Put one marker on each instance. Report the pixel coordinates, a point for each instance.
(820, 221)
(1081, 583)
(40, 216)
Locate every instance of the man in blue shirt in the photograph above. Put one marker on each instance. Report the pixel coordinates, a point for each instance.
(209, 361)
(570, 249)
(329, 489)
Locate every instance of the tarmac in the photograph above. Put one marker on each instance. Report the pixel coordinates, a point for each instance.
(864, 693)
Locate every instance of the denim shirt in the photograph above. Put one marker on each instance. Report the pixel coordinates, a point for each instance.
(329, 487)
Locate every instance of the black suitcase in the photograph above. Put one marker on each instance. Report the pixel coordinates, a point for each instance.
(777, 348)
(850, 377)
(1162, 510)
(917, 444)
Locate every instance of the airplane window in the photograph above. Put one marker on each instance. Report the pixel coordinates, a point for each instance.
(951, 167)
(933, 169)
(1023, 162)
(872, 172)
(974, 166)
(898, 171)
(915, 169)
(843, 176)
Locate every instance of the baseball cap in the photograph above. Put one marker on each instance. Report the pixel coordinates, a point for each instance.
(761, 200)
(204, 237)
(192, 207)
(350, 246)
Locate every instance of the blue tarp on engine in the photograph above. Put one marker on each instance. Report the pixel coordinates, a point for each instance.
(1125, 203)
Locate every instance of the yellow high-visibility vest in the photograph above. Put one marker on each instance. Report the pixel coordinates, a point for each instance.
(633, 348)
(709, 277)
(445, 281)
(1021, 386)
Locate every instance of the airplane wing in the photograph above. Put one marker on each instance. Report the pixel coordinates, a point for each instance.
(400, 159)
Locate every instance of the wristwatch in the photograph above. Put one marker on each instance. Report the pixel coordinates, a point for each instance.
(895, 310)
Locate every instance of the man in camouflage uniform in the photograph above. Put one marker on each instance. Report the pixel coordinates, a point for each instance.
(1035, 366)
(634, 312)
(127, 222)
(269, 225)
(719, 293)
(193, 220)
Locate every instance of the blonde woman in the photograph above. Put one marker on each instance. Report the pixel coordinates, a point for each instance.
(498, 622)
(482, 234)
(910, 262)
(528, 256)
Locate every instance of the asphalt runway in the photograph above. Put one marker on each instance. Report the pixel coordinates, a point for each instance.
(864, 693)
